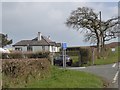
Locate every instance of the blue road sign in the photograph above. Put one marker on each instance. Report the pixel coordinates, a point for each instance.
(64, 46)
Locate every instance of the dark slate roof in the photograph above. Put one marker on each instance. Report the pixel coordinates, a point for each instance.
(58, 44)
(34, 42)
(53, 43)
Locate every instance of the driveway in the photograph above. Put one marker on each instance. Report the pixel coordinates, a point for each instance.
(108, 72)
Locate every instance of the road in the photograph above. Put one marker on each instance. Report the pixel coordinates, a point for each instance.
(108, 72)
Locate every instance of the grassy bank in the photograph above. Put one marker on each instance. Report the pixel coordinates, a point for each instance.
(60, 78)
(112, 57)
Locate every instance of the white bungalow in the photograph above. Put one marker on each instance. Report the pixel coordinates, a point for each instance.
(40, 43)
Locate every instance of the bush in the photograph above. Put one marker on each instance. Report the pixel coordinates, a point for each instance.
(16, 71)
(72, 53)
(37, 55)
(85, 55)
(3, 55)
(15, 55)
(19, 55)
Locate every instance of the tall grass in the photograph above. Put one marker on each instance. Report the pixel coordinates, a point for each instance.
(110, 58)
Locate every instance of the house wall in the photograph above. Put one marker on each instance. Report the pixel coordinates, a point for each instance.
(40, 48)
(23, 48)
(46, 48)
(58, 49)
(37, 48)
(50, 48)
(54, 49)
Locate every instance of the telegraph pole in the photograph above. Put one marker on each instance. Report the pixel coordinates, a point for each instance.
(118, 48)
(101, 35)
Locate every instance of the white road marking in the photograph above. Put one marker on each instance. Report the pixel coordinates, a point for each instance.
(115, 77)
(77, 68)
(114, 65)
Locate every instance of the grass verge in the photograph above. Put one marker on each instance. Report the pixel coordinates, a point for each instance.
(111, 58)
(61, 78)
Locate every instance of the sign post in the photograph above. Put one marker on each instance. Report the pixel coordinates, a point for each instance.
(64, 47)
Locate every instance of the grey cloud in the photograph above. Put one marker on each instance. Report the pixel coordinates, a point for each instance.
(24, 20)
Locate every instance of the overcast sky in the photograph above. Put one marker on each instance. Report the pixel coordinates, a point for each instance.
(22, 20)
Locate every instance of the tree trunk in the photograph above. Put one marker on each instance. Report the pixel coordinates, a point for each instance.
(102, 44)
(98, 47)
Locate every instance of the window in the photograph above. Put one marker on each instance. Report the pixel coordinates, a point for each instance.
(43, 48)
(18, 49)
(29, 48)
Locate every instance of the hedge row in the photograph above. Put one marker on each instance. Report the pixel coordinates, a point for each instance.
(85, 55)
(16, 71)
(72, 53)
(18, 55)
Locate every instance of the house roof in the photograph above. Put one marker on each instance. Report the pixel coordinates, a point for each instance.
(34, 42)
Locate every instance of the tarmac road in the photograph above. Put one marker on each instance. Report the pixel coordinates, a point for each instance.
(108, 72)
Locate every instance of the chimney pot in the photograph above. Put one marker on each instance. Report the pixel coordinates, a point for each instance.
(48, 37)
(39, 36)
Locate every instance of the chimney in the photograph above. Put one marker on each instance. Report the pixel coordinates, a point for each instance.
(39, 36)
(48, 37)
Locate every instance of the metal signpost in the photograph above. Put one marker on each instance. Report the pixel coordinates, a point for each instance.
(64, 47)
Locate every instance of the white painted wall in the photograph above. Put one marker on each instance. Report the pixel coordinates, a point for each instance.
(37, 48)
(54, 49)
(24, 48)
(57, 49)
(40, 48)
(46, 48)
(50, 48)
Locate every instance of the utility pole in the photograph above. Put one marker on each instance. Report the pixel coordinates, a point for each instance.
(93, 51)
(101, 34)
(118, 48)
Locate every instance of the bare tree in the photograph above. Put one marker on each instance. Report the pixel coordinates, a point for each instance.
(86, 19)
(110, 30)
(96, 31)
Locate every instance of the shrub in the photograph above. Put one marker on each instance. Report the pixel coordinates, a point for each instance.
(72, 53)
(16, 71)
(37, 55)
(19, 55)
(85, 55)
(15, 55)
(3, 55)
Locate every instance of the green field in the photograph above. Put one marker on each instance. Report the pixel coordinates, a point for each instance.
(61, 78)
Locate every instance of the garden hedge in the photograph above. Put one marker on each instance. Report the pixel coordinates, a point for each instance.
(19, 70)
